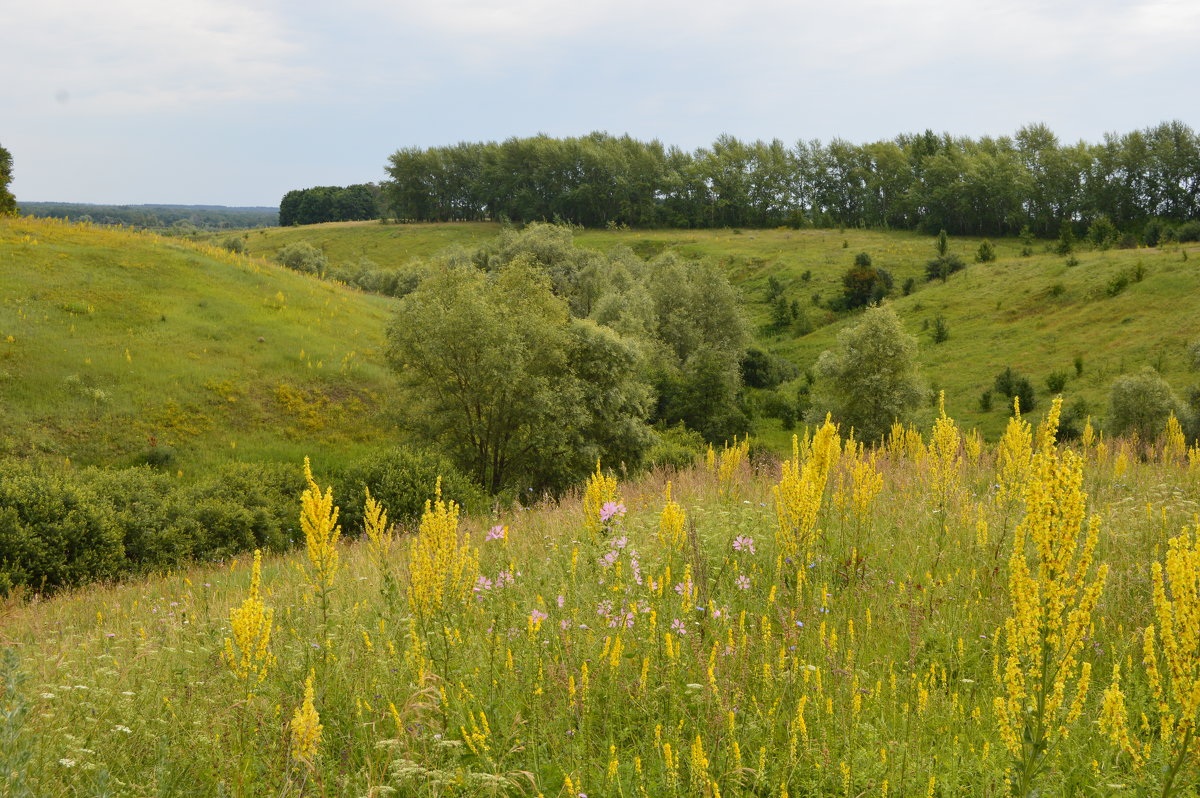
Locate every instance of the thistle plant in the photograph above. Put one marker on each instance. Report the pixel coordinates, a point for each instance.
(800, 490)
(248, 652)
(318, 520)
(1053, 597)
(1175, 688)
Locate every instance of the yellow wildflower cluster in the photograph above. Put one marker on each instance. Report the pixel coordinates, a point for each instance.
(1051, 607)
(1174, 442)
(945, 459)
(248, 653)
(601, 489)
(670, 524)
(379, 534)
(318, 520)
(867, 482)
(1014, 454)
(905, 442)
(729, 462)
(442, 567)
(801, 488)
(306, 727)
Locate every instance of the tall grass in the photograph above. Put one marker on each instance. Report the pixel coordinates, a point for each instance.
(636, 659)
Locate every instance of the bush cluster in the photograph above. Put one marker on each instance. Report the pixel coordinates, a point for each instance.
(61, 528)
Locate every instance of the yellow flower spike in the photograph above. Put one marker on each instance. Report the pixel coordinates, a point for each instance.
(1052, 603)
(601, 489)
(443, 566)
(248, 652)
(671, 523)
(800, 491)
(306, 726)
(318, 520)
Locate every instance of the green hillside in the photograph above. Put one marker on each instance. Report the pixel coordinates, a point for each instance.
(114, 344)
(1036, 314)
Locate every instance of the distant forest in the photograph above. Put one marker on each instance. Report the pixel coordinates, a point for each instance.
(159, 217)
(925, 181)
(330, 204)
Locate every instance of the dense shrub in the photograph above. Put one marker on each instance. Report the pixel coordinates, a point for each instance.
(674, 447)
(1188, 231)
(402, 479)
(1010, 384)
(1141, 403)
(763, 370)
(54, 532)
(302, 257)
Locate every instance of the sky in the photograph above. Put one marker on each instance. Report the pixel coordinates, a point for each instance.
(235, 102)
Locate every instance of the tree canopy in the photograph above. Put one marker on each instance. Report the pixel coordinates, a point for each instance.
(927, 181)
(329, 204)
(530, 358)
(8, 203)
(870, 379)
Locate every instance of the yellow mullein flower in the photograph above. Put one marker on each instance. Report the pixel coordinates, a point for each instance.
(601, 490)
(248, 653)
(671, 523)
(442, 566)
(800, 490)
(318, 520)
(1051, 607)
(306, 726)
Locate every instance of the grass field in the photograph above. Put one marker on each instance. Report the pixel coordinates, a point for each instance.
(855, 649)
(113, 342)
(1036, 314)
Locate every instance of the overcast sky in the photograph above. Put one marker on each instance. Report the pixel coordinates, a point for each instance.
(234, 102)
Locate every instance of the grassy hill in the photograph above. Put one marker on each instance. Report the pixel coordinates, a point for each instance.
(1116, 310)
(113, 343)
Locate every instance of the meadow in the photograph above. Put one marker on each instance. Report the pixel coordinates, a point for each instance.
(1090, 317)
(118, 345)
(932, 617)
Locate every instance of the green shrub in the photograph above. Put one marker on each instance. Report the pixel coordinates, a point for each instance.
(986, 252)
(402, 479)
(54, 533)
(1010, 384)
(302, 257)
(674, 447)
(1056, 382)
(1188, 231)
(1141, 403)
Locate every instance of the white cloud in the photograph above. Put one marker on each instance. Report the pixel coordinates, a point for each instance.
(144, 56)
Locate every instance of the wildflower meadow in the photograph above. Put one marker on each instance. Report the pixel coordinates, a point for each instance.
(929, 617)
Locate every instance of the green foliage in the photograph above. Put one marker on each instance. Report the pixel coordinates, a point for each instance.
(8, 203)
(402, 479)
(1010, 385)
(1188, 231)
(870, 379)
(940, 268)
(761, 369)
(53, 531)
(862, 260)
(1102, 233)
(236, 244)
(302, 257)
(986, 252)
(941, 330)
(675, 447)
(1056, 381)
(329, 204)
(985, 401)
(1193, 354)
(864, 285)
(494, 370)
(1026, 237)
(1140, 404)
(1153, 232)
(1066, 239)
